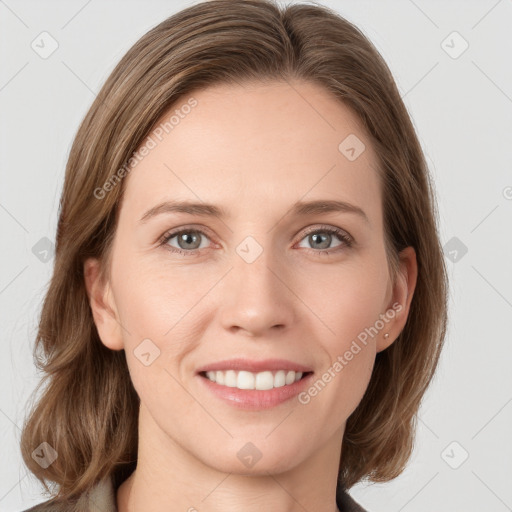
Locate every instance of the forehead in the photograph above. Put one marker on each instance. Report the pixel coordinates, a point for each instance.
(239, 145)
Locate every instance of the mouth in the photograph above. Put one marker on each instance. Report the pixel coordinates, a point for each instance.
(254, 385)
(260, 381)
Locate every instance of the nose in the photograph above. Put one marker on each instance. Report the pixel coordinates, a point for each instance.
(257, 296)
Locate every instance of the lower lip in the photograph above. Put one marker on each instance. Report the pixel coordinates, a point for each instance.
(255, 399)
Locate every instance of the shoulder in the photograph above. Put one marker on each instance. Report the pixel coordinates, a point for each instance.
(346, 503)
(42, 507)
(100, 497)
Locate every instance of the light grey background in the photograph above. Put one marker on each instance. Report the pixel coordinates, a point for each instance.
(462, 109)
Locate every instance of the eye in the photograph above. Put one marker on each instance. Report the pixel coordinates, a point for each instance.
(321, 238)
(188, 240)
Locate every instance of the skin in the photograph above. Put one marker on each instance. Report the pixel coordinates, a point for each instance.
(253, 150)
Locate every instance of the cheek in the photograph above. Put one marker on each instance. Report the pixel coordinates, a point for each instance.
(347, 298)
(348, 302)
(162, 319)
(153, 299)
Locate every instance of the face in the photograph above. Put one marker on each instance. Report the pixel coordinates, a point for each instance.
(264, 287)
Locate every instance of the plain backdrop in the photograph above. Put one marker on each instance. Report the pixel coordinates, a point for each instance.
(451, 61)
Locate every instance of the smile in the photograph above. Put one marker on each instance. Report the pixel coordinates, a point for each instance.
(249, 380)
(254, 391)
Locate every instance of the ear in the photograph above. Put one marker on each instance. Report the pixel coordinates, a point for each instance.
(401, 298)
(103, 306)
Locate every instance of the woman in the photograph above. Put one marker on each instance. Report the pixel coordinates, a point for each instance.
(201, 351)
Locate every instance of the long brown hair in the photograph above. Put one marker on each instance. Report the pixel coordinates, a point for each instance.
(88, 410)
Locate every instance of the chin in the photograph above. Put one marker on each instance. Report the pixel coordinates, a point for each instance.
(256, 458)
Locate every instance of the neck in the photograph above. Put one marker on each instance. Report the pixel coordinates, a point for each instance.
(166, 475)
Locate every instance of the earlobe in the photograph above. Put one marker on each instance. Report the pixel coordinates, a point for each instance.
(102, 306)
(399, 306)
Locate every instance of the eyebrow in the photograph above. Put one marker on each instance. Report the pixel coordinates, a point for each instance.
(300, 208)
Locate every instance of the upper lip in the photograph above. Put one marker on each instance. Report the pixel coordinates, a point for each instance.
(254, 366)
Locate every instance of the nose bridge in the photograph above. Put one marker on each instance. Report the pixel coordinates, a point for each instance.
(254, 267)
(256, 299)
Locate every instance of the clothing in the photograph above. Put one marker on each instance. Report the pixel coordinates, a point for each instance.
(102, 498)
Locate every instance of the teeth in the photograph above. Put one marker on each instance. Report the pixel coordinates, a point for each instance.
(248, 380)
(230, 379)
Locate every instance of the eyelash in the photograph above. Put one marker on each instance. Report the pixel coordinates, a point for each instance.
(346, 240)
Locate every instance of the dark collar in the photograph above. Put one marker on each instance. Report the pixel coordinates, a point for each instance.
(346, 503)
